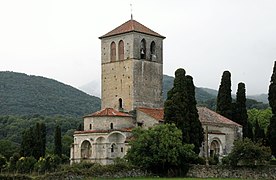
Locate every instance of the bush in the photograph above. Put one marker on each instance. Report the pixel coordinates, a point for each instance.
(245, 152)
(3, 162)
(25, 164)
(273, 161)
(13, 160)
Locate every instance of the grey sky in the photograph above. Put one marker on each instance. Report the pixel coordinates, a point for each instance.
(59, 38)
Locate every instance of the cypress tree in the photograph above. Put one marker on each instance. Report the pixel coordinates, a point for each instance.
(195, 127)
(224, 99)
(58, 145)
(27, 143)
(43, 139)
(180, 109)
(272, 103)
(240, 114)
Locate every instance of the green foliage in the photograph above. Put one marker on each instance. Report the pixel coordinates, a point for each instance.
(224, 99)
(240, 113)
(21, 94)
(259, 134)
(246, 152)
(12, 162)
(34, 141)
(272, 103)
(3, 162)
(8, 148)
(180, 109)
(58, 144)
(25, 164)
(262, 116)
(12, 127)
(159, 149)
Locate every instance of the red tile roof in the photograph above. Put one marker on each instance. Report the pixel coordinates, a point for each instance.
(103, 131)
(131, 26)
(157, 114)
(205, 116)
(210, 117)
(108, 112)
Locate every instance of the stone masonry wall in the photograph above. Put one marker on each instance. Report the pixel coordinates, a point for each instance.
(215, 171)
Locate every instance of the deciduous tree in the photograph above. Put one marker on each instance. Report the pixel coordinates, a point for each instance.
(159, 149)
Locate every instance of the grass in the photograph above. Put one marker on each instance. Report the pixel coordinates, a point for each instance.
(154, 178)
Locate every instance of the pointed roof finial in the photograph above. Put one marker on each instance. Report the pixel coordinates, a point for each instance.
(131, 16)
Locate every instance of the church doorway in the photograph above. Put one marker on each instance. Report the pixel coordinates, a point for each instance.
(214, 148)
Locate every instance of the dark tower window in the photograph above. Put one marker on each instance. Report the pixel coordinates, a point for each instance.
(143, 49)
(111, 125)
(90, 126)
(113, 52)
(121, 50)
(152, 51)
(120, 103)
(112, 148)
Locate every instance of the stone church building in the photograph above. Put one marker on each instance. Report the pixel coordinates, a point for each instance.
(132, 72)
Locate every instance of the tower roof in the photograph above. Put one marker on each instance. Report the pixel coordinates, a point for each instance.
(108, 112)
(131, 26)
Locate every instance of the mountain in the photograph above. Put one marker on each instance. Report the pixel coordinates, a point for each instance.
(93, 88)
(260, 98)
(22, 94)
(202, 94)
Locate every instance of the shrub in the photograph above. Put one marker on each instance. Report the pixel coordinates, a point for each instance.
(245, 152)
(3, 162)
(25, 164)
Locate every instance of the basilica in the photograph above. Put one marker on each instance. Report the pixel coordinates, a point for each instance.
(131, 96)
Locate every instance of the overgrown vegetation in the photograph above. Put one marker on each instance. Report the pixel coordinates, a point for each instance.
(12, 127)
(246, 152)
(160, 150)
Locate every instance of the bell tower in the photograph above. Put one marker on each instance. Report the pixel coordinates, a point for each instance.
(132, 67)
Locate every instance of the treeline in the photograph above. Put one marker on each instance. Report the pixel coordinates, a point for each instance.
(21, 94)
(14, 128)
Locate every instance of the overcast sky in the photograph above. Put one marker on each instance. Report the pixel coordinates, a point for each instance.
(58, 39)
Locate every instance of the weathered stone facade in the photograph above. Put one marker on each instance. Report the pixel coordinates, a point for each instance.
(132, 72)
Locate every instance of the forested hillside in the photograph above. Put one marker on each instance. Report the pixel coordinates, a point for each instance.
(21, 94)
(200, 93)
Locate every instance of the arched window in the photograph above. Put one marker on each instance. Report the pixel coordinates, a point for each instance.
(121, 50)
(120, 103)
(86, 149)
(152, 51)
(113, 52)
(112, 148)
(111, 125)
(143, 49)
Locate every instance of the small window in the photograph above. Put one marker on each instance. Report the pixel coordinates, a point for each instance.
(120, 103)
(113, 52)
(143, 49)
(152, 51)
(122, 149)
(112, 148)
(90, 126)
(111, 125)
(121, 50)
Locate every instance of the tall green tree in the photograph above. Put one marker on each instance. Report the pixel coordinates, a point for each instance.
(240, 113)
(58, 144)
(27, 143)
(224, 98)
(259, 134)
(272, 103)
(180, 109)
(194, 127)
